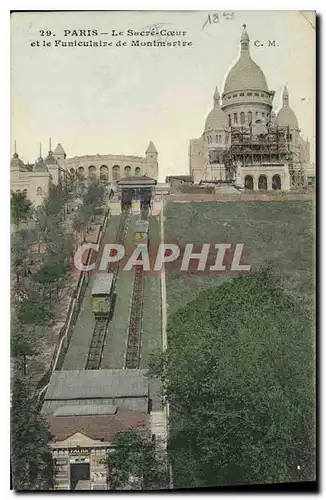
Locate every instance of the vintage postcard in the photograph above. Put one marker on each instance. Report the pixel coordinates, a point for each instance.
(162, 182)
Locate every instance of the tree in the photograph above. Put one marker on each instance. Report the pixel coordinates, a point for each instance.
(136, 462)
(25, 342)
(238, 373)
(21, 208)
(94, 195)
(51, 275)
(21, 243)
(82, 219)
(32, 312)
(30, 438)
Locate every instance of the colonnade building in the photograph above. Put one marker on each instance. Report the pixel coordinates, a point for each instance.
(35, 180)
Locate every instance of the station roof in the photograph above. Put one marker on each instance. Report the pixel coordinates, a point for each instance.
(86, 410)
(141, 226)
(139, 180)
(102, 284)
(185, 178)
(88, 384)
(96, 426)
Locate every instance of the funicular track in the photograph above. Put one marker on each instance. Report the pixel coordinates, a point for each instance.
(101, 323)
(136, 315)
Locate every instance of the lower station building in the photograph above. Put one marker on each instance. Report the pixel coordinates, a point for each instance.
(85, 410)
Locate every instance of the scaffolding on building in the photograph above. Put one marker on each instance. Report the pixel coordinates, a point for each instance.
(263, 146)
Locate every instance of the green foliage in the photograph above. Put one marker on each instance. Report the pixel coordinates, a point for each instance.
(137, 462)
(21, 242)
(281, 233)
(51, 272)
(32, 312)
(24, 341)
(30, 453)
(94, 195)
(21, 207)
(92, 198)
(238, 373)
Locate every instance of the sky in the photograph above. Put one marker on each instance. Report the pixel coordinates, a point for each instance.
(114, 100)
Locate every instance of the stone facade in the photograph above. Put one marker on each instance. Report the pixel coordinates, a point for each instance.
(110, 168)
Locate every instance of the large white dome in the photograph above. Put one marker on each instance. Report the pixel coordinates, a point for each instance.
(245, 74)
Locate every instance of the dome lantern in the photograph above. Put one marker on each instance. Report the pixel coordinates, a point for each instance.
(244, 40)
(285, 97)
(39, 164)
(16, 162)
(216, 98)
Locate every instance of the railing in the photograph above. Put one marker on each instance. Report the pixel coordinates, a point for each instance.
(71, 317)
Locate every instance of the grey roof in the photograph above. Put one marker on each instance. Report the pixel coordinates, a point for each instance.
(86, 410)
(129, 403)
(102, 284)
(59, 150)
(142, 225)
(138, 179)
(50, 159)
(16, 162)
(151, 148)
(39, 165)
(87, 384)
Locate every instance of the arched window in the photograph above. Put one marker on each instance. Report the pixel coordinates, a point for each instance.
(17, 191)
(81, 173)
(249, 117)
(249, 182)
(137, 171)
(262, 183)
(229, 116)
(235, 118)
(217, 138)
(91, 171)
(39, 191)
(276, 182)
(25, 192)
(104, 176)
(116, 173)
(242, 118)
(127, 171)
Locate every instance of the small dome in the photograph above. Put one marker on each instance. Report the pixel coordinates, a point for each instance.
(40, 166)
(286, 118)
(216, 119)
(245, 74)
(16, 162)
(50, 159)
